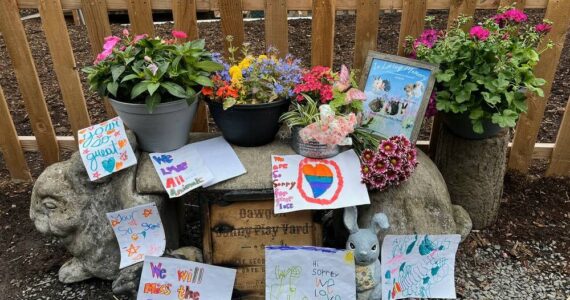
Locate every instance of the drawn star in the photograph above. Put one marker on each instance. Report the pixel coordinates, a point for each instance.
(117, 134)
(86, 151)
(96, 175)
(134, 236)
(147, 212)
(115, 223)
(132, 250)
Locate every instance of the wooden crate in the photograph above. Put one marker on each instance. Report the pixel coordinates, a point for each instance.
(235, 234)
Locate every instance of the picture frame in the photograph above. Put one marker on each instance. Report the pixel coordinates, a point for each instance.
(398, 90)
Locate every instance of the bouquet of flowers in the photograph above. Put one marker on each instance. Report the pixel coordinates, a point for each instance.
(486, 71)
(254, 79)
(390, 164)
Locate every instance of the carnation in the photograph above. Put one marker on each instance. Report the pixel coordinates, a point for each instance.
(479, 33)
(384, 167)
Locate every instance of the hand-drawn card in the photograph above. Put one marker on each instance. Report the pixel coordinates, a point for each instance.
(309, 273)
(181, 170)
(139, 232)
(170, 278)
(419, 266)
(105, 149)
(305, 183)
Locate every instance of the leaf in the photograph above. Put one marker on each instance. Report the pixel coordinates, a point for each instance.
(203, 80)
(116, 71)
(445, 76)
(130, 77)
(174, 89)
(139, 88)
(198, 44)
(477, 126)
(491, 99)
(229, 102)
(209, 66)
(152, 87)
(152, 101)
(112, 88)
(507, 118)
(476, 113)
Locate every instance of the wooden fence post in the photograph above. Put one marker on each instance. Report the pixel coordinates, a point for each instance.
(560, 162)
(10, 145)
(231, 14)
(413, 21)
(27, 76)
(55, 30)
(367, 19)
(529, 124)
(140, 16)
(322, 32)
(276, 26)
(184, 14)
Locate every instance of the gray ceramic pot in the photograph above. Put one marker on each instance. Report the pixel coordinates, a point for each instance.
(163, 130)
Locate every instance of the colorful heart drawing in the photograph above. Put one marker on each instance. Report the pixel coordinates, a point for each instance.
(319, 177)
(118, 165)
(109, 164)
(122, 143)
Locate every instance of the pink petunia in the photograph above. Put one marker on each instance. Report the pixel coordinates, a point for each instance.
(479, 33)
(179, 34)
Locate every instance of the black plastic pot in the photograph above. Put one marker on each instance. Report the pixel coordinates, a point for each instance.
(460, 125)
(249, 125)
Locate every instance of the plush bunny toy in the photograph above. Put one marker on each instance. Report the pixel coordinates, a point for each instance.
(366, 248)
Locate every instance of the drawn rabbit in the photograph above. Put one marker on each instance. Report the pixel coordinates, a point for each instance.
(366, 248)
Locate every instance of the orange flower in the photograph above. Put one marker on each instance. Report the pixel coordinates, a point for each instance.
(207, 91)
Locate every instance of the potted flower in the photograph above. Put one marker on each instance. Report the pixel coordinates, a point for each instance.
(153, 84)
(250, 94)
(484, 73)
(325, 111)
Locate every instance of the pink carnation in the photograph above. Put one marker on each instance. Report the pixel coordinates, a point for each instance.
(479, 33)
(515, 15)
(543, 28)
(179, 34)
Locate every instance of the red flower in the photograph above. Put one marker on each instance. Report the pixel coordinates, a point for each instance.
(179, 34)
(207, 91)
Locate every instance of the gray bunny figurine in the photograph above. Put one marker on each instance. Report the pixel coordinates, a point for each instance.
(366, 248)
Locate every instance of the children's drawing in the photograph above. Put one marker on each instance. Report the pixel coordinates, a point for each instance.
(139, 232)
(304, 183)
(105, 149)
(419, 266)
(181, 170)
(177, 279)
(299, 273)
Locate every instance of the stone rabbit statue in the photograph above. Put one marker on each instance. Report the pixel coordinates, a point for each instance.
(366, 248)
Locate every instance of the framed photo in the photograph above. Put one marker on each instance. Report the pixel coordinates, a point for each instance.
(397, 91)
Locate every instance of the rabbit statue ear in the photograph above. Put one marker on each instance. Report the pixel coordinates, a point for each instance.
(351, 219)
(379, 221)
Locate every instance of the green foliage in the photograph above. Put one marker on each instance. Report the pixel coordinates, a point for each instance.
(151, 70)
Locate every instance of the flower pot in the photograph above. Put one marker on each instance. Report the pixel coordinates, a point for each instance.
(312, 148)
(163, 130)
(249, 125)
(460, 125)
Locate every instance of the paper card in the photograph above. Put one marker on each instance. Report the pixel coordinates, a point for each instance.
(139, 232)
(220, 158)
(181, 170)
(105, 149)
(309, 273)
(170, 278)
(419, 266)
(305, 183)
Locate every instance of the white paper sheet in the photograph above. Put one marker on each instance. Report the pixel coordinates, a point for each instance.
(220, 158)
(181, 170)
(296, 273)
(139, 232)
(105, 149)
(304, 183)
(419, 266)
(169, 278)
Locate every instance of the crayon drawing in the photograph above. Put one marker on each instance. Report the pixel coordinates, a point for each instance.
(418, 266)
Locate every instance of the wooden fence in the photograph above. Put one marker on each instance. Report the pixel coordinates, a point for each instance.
(95, 12)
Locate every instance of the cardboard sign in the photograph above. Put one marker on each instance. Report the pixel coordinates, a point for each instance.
(305, 183)
(181, 170)
(419, 266)
(139, 232)
(309, 273)
(105, 149)
(169, 278)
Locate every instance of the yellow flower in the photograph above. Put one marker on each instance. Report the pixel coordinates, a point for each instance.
(261, 58)
(246, 62)
(235, 72)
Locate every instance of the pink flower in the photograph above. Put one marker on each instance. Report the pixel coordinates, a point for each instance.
(515, 15)
(388, 147)
(543, 28)
(380, 165)
(125, 32)
(479, 33)
(110, 42)
(139, 37)
(179, 34)
(367, 155)
(147, 58)
(153, 68)
(396, 162)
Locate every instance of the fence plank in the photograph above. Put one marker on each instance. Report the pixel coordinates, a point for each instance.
(10, 145)
(140, 16)
(528, 125)
(367, 19)
(520, 4)
(413, 21)
(322, 32)
(184, 14)
(276, 26)
(97, 22)
(57, 37)
(27, 76)
(209, 5)
(232, 22)
(560, 162)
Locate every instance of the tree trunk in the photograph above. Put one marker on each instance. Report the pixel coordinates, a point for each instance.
(473, 171)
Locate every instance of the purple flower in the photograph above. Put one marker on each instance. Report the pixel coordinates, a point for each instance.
(480, 33)
(388, 147)
(432, 105)
(395, 162)
(543, 28)
(380, 165)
